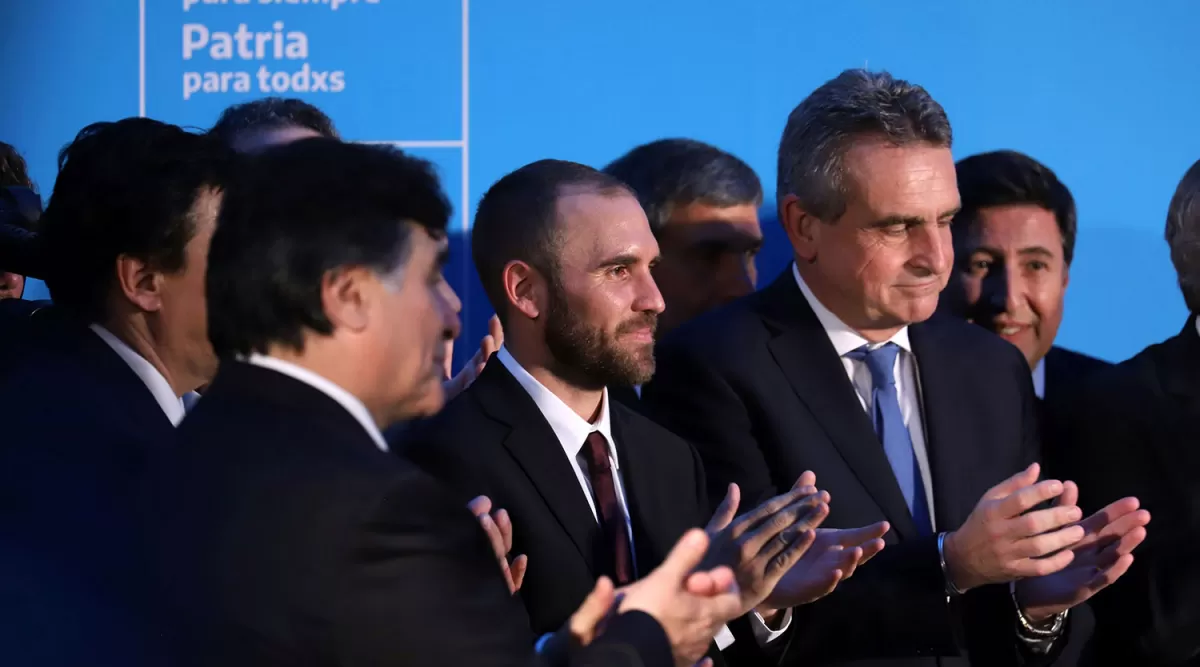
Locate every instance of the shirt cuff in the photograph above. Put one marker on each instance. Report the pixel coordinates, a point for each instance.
(724, 638)
(765, 635)
(758, 626)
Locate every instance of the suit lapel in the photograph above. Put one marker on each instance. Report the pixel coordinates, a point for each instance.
(944, 431)
(535, 447)
(812, 367)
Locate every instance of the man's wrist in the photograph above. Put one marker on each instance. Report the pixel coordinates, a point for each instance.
(951, 587)
(1034, 623)
(1037, 637)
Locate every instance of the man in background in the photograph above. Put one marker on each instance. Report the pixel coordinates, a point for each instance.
(1014, 240)
(253, 126)
(702, 205)
(99, 381)
(1133, 429)
(15, 210)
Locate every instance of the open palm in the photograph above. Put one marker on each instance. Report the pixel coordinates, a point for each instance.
(1100, 558)
(833, 557)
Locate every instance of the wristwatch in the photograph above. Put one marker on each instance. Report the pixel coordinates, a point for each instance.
(1048, 629)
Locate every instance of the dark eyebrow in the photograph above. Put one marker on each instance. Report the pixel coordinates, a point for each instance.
(624, 259)
(1037, 250)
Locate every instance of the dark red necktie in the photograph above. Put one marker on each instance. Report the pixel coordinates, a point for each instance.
(615, 554)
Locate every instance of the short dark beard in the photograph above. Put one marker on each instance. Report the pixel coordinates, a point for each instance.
(590, 358)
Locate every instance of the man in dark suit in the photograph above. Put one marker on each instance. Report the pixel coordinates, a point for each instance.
(281, 529)
(1132, 429)
(592, 487)
(1014, 239)
(97, 381)
(834, 368)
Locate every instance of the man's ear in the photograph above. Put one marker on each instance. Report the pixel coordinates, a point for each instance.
(140, 284)
(525, 288)
(347, 296)
(803, 229)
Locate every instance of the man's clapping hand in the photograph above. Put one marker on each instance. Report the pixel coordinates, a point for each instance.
(691, 605)
(1002, 540)
(762, 545)
(833, 557)
(1100, 558)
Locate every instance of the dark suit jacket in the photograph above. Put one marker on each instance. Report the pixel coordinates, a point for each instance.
(627, 396)
(759, 390)
(285, 536)
(77, 426)
(1134, 429)
(493, 440)
(1065, 369)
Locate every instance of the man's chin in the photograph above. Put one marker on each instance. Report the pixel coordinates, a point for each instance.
(431, 401)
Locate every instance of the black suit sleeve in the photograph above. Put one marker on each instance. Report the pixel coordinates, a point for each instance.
(632, 639)
(989, 610)
(418, 544)
(691, 400)
(465, 615)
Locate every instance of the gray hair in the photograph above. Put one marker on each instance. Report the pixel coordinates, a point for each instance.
(1183, 236)
(857, 104)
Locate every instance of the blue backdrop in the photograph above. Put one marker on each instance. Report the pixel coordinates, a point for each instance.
(1102, 91)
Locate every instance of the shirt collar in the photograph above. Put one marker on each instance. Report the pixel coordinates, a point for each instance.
(349, 401)
(844, 338)
(571, 429)
(163, 394)
(1039, 378)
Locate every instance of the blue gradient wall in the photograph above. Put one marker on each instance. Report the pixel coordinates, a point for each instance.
(1102, 91)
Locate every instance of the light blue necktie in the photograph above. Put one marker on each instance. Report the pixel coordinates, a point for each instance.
(889, 426)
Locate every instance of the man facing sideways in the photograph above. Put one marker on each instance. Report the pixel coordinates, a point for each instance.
(837, 367)
(1133, 429)
(282, 529)
(1014, 239)
(98, 385)
(592, 488)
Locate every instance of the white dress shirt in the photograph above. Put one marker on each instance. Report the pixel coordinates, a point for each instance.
(908, 386)
(171, 404)
(572, 430)
(344, 398)
(1039, 378)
